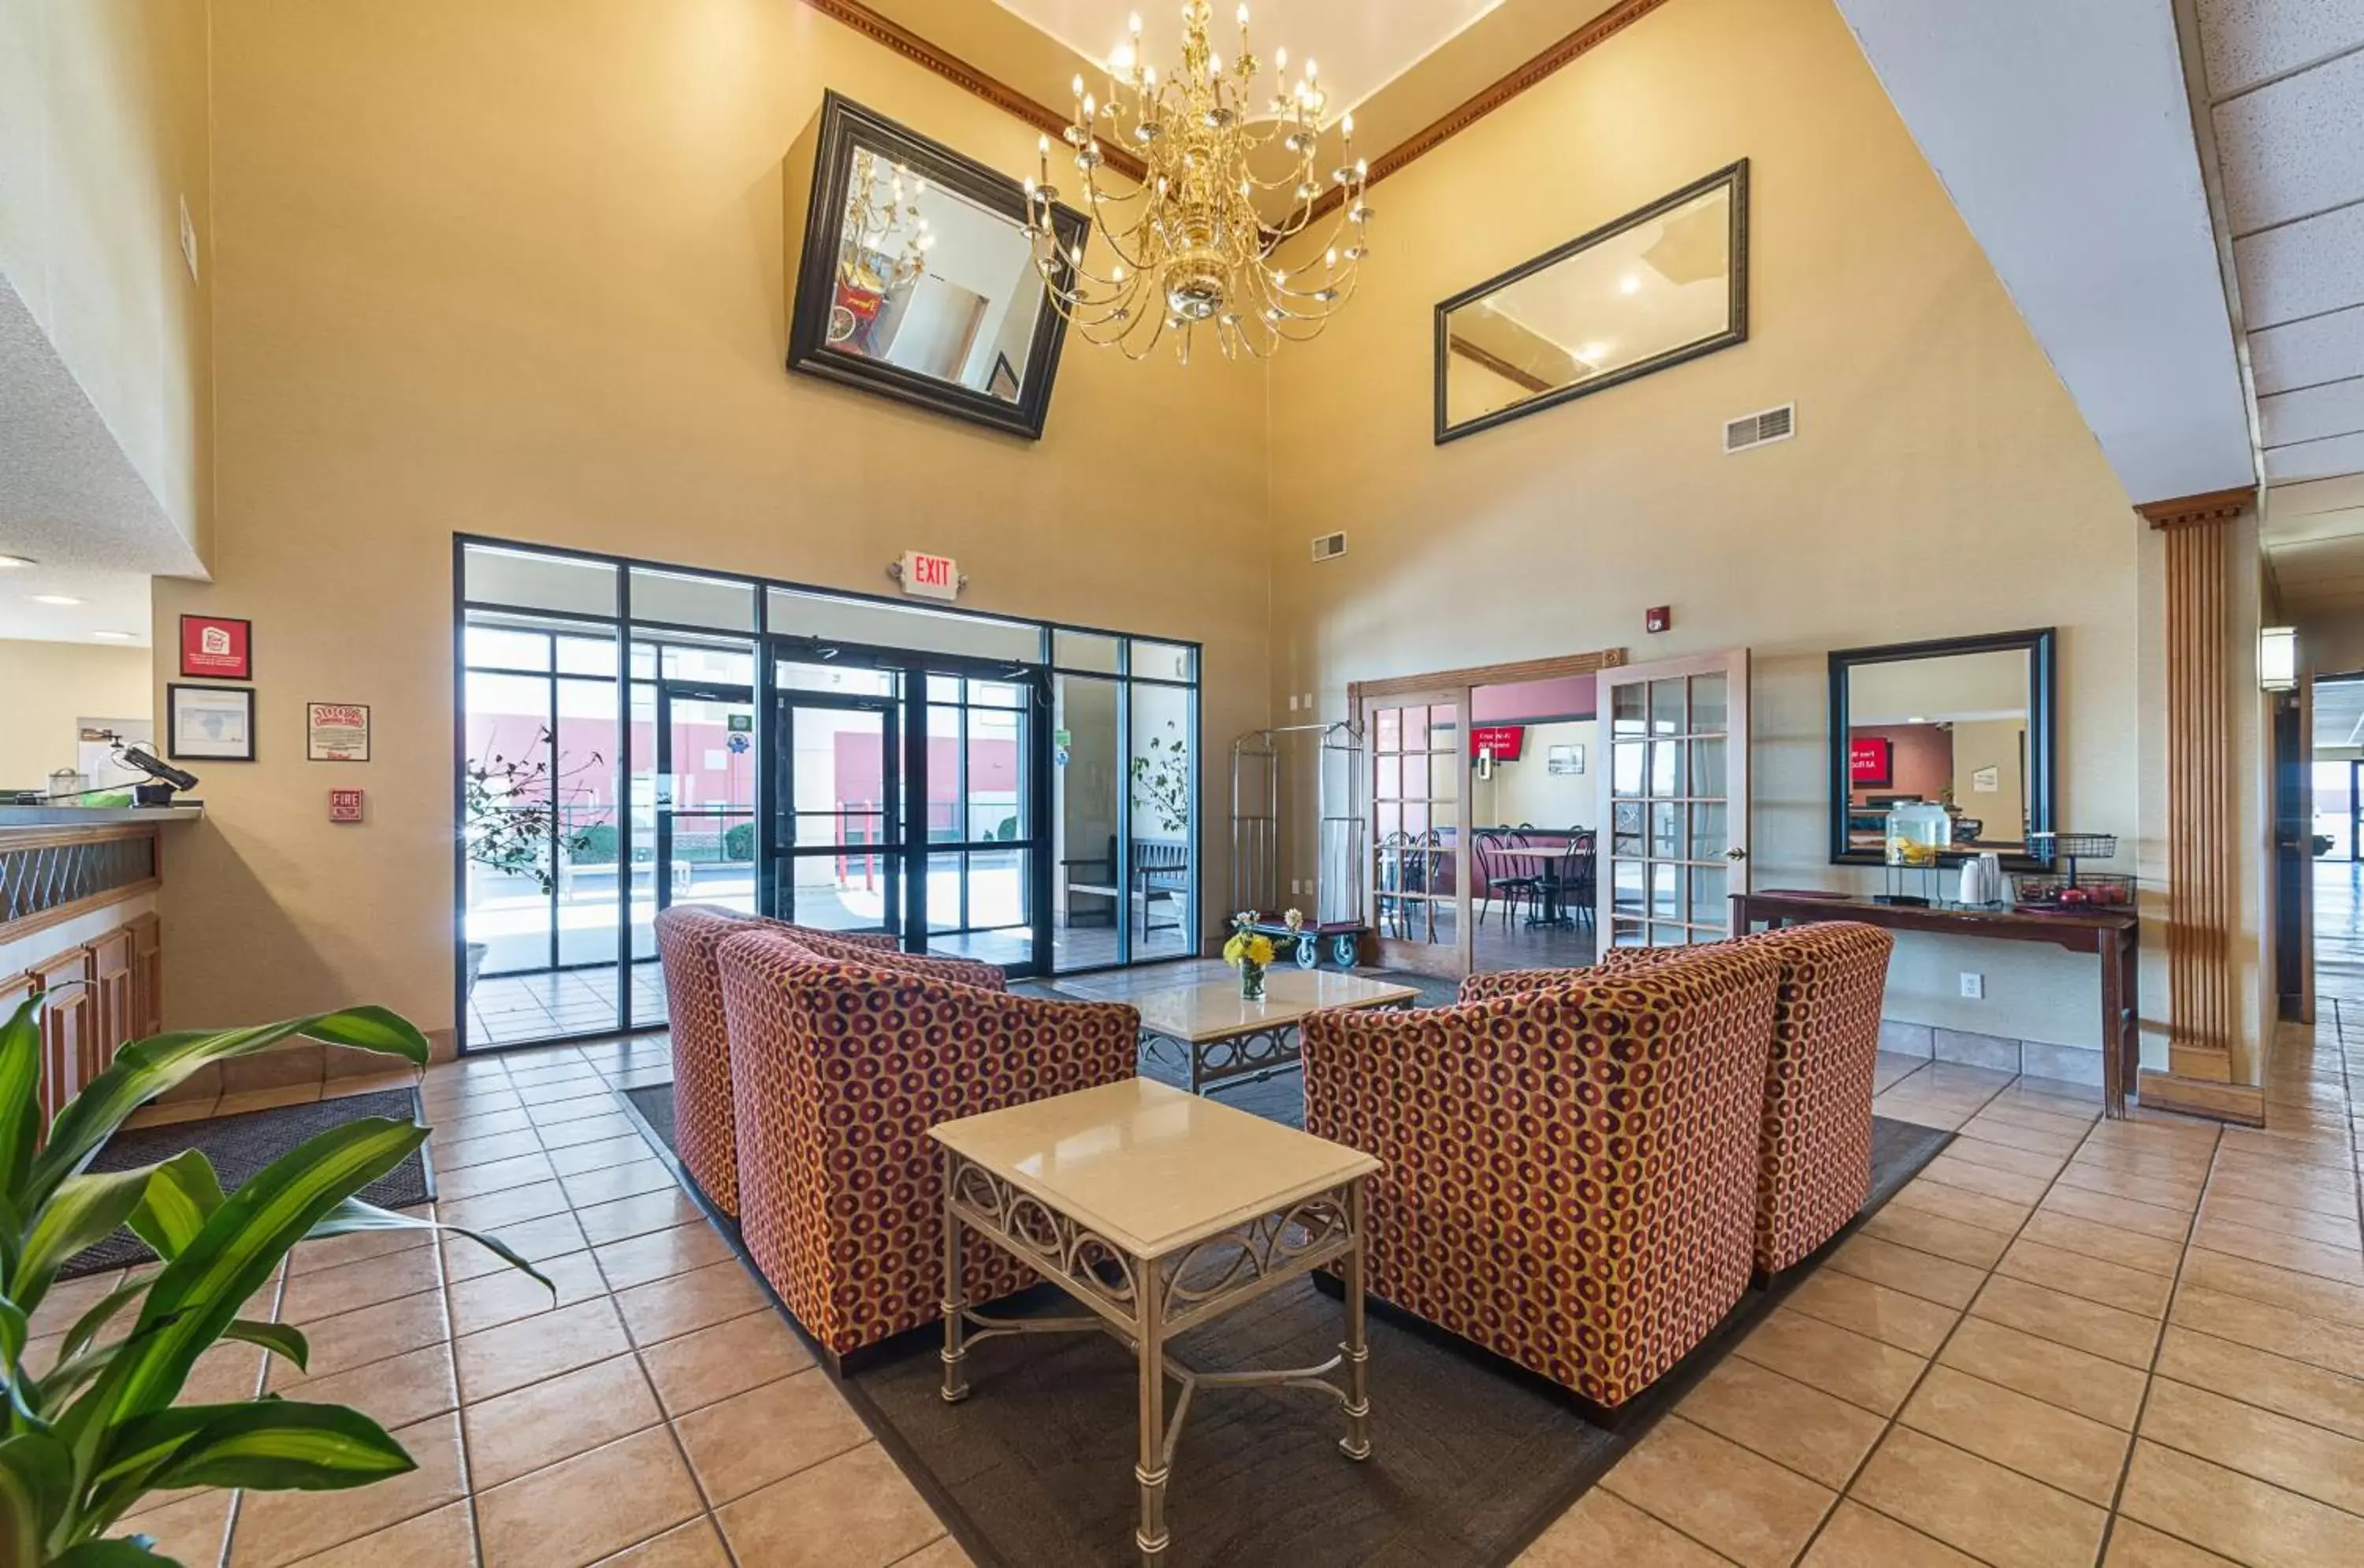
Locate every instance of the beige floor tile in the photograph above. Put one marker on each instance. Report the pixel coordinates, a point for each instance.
(661, 1254)
(2126, 1214)
(1924, 1275)
(2059, 1374)
(2257, 1377)
(225, 1373)
(497, 1360)
(536, 1241)
(2129, 1249)
(372, 1334)
(480, 1180)
(580, 1159)
(2138, 1186)
(853, 1511)
(557, 1419)
(506, 1206)
(1956, 1203)
(2011, 1186)
(503, 1297)
(696, 1544)
(2291, 1454)
(395, 1392)
(444, 1538)
(713, 1364)
(1992, 1513)
(2234, 1516)
(613, 1182)
(2071, 1320)
(2003, 1157)
(2282, 1220)
(2012, 1135)
(589, 1506)
(589, 1129)
(1601, 1528)
(190, 1531)
(2316, 1340)
(1855, 1537)
(752, 1439)
(2289, 1288)
(943, 1552)
(607, 1222)
(2175, 1165)
(2081, 1457)
(1908, 1322)
(2135, 1545)
(1834, 1360)
(1716, 1492)
(274, 1528)
(2047, 1113)
(68, 1299)
(558, 1113)
(1970, 1244)
(2291, 1190)
(1816, 1434)
(482, 1124)
(325, 1292)
(2094, 1279)
(667, 1309)
(461, 1154)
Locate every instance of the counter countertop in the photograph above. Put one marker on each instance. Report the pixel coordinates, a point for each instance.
(93, 815)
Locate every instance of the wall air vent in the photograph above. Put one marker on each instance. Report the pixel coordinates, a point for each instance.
(1756, 430)
(1329, 547)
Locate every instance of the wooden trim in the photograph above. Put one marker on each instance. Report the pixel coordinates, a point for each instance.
(80, 906)
(2203, 982)
(1484, 102)
(1526, 380)
(901, 40)
(2189, 511)
(2241, 1103)
(43, 837)
(1487, 676)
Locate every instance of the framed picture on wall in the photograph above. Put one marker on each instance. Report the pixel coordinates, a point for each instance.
(216, 648)
(209, 723)
(1564, 760)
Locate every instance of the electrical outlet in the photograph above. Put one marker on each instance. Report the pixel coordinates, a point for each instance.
(1974, 986)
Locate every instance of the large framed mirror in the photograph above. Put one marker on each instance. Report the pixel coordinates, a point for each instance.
(1641, 293)
(1964, 723)
(919, 279)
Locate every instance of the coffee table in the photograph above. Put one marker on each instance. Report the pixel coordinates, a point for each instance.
(1220, 1037)
(1157, 1210)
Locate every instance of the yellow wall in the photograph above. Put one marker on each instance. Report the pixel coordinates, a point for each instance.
(518, 270)
(48, 686)
(1941, 482)
(102, 134)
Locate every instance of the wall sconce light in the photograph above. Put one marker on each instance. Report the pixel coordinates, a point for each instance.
(2278, 658)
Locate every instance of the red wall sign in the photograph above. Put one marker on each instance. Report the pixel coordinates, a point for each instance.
(344, 806)
(1659, 617)
(218, 646)
(1502, 740)
(1871, 761)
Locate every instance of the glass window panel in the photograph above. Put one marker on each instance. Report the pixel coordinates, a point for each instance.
(1415, 730)
(996, 890)
(1444, 770)
(720, 665)
(1627, 763)
(1386, 776)
(1669, 936)
(1083, 650)
(495, 648)
(1667, 890)
(996, 747)
(1164, 661)
(944, 808)
(1710, 710)
(1627, 934)
(1626, 709)
(586, 656)
(885, 625)
(945, 886)
(852, 681)
(1667, 831)
(1416, 818)
(1667, 767)
(1162, 859)
(1707, 767)
(1390, 818)
(944, 688)
(1086, 790)
(1388, 868)
(835, 766)
(1708, 903)
(1445, 728)
(1667, 708)
(528, 579)
(1708, 838)
(1627, 880)
(1443, 918)
(1387, 731)
(682, 598)
(996, 694)
(508, 908)
(839, 893)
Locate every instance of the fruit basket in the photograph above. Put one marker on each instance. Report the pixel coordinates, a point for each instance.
(2059, 893)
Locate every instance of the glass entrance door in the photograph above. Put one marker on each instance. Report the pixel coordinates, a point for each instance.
(837, 839)
(705, 796)
(986, 880)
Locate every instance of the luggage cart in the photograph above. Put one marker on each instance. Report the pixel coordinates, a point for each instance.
(1335, 925)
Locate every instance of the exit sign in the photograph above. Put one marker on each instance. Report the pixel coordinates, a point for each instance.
(930, 576)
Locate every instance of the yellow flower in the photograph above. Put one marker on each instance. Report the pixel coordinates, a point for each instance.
(1294, 920)
(1260, 949)
(1233, 948)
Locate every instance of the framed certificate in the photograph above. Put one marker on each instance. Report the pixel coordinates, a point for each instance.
(209, 723)
(336, 732)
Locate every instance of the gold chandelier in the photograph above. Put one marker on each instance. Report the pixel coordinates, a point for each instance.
(870, 257)
(1190, 248)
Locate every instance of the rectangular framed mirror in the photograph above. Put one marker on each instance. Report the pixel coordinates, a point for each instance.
(919, 279)
(1966, 723)
(1651, 289)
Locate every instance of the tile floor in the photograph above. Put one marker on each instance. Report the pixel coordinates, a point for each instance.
(2069, 1342)
(512, 1009)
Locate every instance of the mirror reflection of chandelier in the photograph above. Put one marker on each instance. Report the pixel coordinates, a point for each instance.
(886, 241)
(1191, 251)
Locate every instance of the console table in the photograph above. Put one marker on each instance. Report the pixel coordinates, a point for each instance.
(2113, 934)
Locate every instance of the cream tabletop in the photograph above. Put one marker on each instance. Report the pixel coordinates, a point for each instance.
(1216, 1010)
(1147, 1166)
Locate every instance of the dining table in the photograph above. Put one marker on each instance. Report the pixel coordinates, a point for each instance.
(1552, 912)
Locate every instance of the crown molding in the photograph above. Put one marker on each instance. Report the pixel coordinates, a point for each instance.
(2196, 511)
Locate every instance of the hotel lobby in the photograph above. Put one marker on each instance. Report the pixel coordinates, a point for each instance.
(983, 782)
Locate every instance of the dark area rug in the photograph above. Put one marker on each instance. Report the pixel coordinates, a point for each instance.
(1472, 1457)
(241, 1146)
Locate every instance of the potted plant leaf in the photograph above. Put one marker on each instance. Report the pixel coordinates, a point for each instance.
(85, 1439)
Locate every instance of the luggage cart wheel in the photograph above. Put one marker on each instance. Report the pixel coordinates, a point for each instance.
(1309, 953)
(1342, 949)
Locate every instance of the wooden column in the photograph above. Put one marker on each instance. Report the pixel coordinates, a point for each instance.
(2203, 894)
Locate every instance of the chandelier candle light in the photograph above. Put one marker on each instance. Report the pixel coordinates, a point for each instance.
(1190, 248)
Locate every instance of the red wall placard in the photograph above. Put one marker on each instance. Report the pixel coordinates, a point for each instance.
(1871, 761)
(344, 806)
(217, 646)
(1503, 740)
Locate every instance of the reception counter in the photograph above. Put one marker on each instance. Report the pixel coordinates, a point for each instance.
(78, 924)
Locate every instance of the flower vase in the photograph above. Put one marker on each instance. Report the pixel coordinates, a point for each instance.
(1252, 983)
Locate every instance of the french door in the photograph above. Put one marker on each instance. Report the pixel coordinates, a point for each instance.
(1673, 799)
(1418, 886)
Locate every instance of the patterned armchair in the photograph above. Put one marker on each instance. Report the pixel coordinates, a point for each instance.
(839, 1070)
(706, 1130)
(1568, 1176)
(1814, 1149)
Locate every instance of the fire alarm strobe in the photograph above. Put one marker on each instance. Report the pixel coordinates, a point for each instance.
(1659, 617)
(344, 806)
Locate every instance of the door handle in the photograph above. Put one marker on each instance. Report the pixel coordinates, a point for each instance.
(1736, 854)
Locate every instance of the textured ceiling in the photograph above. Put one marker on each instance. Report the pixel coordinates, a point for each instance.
(111, 601)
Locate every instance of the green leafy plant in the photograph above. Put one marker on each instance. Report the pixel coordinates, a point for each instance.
(85, 1439)
(512, 815)
(1161, 779)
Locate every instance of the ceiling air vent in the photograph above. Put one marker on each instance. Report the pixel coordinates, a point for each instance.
(1329, 547)
(1756, 430)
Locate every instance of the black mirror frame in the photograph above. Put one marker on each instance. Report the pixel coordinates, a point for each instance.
(1737, 176)
(842, 122)
(2041, 646)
